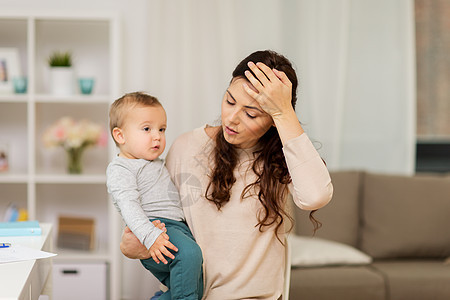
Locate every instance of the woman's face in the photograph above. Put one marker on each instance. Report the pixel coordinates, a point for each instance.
(243, 120)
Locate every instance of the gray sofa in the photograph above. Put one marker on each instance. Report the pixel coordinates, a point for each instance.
(401, 222)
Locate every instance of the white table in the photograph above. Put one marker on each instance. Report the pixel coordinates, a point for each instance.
(27, 279)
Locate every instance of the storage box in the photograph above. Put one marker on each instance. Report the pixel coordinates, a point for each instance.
(76, 233)
(80, 281)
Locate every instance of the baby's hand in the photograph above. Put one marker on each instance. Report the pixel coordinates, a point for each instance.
(158, 224)
(159, 248)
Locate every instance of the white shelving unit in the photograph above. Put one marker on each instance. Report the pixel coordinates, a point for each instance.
(37, 179)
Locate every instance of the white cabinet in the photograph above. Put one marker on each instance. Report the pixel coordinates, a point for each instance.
(80, 281)
(37, 179)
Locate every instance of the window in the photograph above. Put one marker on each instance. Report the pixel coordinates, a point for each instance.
(433, 85)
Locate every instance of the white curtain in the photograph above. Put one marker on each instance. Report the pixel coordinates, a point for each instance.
(354, 59)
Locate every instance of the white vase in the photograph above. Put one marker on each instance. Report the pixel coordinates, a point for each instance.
(62, 81)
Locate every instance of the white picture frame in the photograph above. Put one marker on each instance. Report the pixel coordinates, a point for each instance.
(9, 68)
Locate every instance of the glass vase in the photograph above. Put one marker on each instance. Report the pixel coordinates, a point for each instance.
(74, 165)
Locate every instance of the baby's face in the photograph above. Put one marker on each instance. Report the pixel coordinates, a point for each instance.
(144, 132)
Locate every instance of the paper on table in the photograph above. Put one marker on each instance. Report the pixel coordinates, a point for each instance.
(20, 253)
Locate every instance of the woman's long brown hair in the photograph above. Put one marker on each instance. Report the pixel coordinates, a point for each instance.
(269, 165)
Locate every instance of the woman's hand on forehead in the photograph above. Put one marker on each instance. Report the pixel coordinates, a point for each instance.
(274, 89)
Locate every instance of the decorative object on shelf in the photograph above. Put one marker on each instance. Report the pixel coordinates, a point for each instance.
(4, 155)
(74, 137)
(20, 84)
(61, 73)
(86, 85)
(9, 68)
(15, 214)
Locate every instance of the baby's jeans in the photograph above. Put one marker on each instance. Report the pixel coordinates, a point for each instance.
(183, 275)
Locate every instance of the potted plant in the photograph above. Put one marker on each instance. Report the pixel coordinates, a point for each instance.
(61, 73)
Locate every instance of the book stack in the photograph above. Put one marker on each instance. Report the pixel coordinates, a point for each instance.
(76, 233)
(20, 228)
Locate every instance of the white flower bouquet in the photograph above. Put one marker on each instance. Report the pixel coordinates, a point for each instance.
(74, 136)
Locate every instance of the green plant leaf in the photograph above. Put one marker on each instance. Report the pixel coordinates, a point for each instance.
(60, 59)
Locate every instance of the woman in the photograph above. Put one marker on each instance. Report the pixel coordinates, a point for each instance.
(234, 180)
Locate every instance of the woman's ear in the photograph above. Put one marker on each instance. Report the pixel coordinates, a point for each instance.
(118, 136)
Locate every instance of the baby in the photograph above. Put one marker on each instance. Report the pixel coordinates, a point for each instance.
(142, 192)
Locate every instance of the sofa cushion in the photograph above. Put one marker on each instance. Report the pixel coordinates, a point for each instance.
(416, 279)
(339, 218)
(404, 216)
(337, 283)
(314, 251)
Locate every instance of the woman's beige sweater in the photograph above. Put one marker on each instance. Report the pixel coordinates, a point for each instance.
(240, 262)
